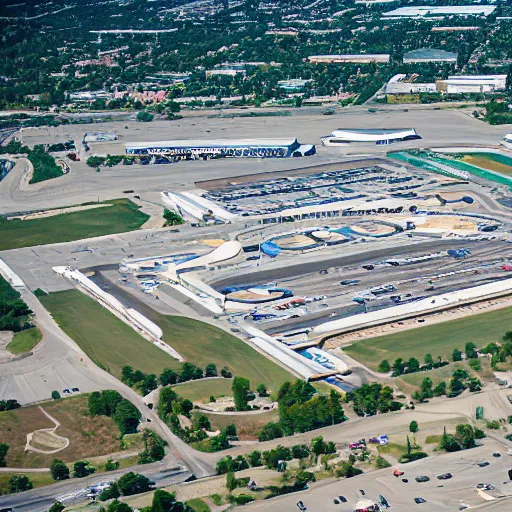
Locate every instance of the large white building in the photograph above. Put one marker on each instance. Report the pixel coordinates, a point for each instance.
(362, 58)
(436, 12)
(223, 148)
(457, 84)
(372, 136)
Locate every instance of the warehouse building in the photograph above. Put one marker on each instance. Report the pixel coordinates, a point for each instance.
(422, 55)
(239, 148)
(469, 84)
(372, 136)
(437, 12)
(363, 58)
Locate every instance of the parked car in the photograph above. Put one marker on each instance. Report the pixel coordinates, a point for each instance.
(496, 455)
(484, 487)
(444, 476)
(419, 500)
(368, 267)
(342, 499)
(397, 473)
(422, 479)
(483, 464)
(75, 390)
(66, 391)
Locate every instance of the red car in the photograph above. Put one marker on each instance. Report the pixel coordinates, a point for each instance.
(397, 473)
(357, 446)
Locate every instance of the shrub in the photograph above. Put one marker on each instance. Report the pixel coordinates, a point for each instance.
(55, 395)
(410, 457)
(346, 470)
(39, 293)
(111, 465)
(59, 470)
(493, 425)
(382, 463)
(240, 499)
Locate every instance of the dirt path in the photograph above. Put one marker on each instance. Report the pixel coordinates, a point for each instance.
(50, 434)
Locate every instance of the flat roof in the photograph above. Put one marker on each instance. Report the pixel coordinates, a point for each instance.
(211, 143)
(443, 10)
(373, 131)
(429, 53)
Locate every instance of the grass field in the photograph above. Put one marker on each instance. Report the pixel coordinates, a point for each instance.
(247, 425)
(122, 216)
(201, 390)
(89, 436)
(491, 161)
(111, 343)
(198, 505)
(108, 341)
(37, 479)
(438, 339)
(24, 341)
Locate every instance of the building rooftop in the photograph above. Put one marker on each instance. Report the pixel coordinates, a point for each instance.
(429, 54)
(420, 11)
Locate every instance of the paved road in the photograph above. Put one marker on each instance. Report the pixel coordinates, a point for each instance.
(84, 184)
(42, 498)
(59, 362)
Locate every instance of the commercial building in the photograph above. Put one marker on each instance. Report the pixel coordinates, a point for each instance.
(362, 58)
(294, 84)
(400, 84)
(429, 55)
(357, 136)
(239, 148)
(456, 84)
(224, 72)
(436, 12)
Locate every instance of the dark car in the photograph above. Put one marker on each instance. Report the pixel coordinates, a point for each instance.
(368, 267)
(496, 454)
(66, 391)
(483, 464)
(422, 478)
(75, 390)
(419, 500)
(444, 476)
(301, 505)
(336, 502)
(342, 499)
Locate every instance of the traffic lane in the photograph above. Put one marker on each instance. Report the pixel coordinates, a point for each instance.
(42, 498)
(439, 494)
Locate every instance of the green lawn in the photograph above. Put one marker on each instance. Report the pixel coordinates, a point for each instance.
(201, 390)
(24, 341)
(37, 479)
(112, 343)
(202, 343)
(438, 339)
(108, 341)
(122, 216)
(198, 505)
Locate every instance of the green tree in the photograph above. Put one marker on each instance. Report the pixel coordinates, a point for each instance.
(55, 395)
(172, 219)
(127, 417)
(384, 366)
(154, 447)
(231, 482)
(145, 117)
(318, 445)
(262, 390)
(4, 448)
(440, 389)
(59, 470)
(413, 427)
(255, 459)
(82, 468)
(240, 387)
(19, 483)
(465, 435)
(164, 501)
(202, 421)
(119, 506)
(428, 359)
(456, 355)
(110, 493)
(97, 405)
(133, 483)
(168, 376)
(210, 370)
(57, 507)
(470, 350)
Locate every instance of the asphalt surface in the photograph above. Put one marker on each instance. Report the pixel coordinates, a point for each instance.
(84, 184)
(440, 495)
